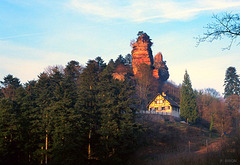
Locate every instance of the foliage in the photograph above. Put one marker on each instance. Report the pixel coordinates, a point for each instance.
(225, 25)
(70, 115)
(188, 103)
(233, 106)
(215, 113)
(146, 85)
(128, 59)
(10, 84)
(172, 90)
(231, 82)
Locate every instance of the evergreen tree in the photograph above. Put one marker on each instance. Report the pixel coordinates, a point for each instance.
(128, 59)
(100, 62)
(188, 103)
(56, 125)
(231, 83)
(10, 84)
(13, 128)
(88, 108)
(68, 117)
(66, 136)
(9, 137)
(120, 60)
(118, 130)
(73, 71)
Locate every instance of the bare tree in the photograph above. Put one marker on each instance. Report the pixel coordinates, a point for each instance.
(50, 70)
(225, 25)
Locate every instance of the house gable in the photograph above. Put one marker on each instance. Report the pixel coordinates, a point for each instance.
(164, 105)
(159, 101)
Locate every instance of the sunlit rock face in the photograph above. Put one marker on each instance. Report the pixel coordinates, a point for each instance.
(160, 68)
(142, 52)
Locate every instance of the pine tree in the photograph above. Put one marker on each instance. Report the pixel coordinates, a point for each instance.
(9, 138)
(87, 106)
(58, 123)
(13, 123)
(231, 83)
(118, 130)
(188, 103)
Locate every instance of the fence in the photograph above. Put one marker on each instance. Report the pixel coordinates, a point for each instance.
(154, 112)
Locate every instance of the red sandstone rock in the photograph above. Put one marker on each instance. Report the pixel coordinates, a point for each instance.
(158, 58)
(156, 73)
(141, 52)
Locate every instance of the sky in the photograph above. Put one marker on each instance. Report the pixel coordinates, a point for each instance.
(35, 34)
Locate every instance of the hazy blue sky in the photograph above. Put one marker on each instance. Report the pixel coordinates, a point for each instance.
(37, 33)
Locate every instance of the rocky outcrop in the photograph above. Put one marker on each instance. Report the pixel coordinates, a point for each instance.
(160, 68)
(142, 54)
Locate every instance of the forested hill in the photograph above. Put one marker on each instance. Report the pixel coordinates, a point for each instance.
(68, 116)
(84, 115)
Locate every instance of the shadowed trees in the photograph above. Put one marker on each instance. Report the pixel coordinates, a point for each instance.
(69, 115)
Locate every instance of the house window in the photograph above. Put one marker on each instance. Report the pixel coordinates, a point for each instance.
(156, 108)
(161, 101)
(163, 108)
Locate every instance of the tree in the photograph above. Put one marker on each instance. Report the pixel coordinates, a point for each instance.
(140, 33)
(56, 126)
(87, 106)
(118, 130)
(231, 82)
(172, 90)
(222, 118)
(208, 102)
(233, 107)
(106, 108)
(212, 92)
(147, 85)
(10, 84)
(225, 25)
(120, 60)
(111, 63)
(14, 123)
(73, 70)
(188, 103)
(128, 59)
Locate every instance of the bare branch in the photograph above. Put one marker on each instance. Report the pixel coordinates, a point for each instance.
(225, 25)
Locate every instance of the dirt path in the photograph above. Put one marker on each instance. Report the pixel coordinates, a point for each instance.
(214, 146)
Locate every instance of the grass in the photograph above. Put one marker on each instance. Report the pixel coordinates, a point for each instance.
(168, 143)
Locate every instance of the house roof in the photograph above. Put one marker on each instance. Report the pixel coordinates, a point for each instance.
(169, 99)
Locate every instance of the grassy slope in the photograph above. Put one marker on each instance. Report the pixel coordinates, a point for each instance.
(168, 143)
